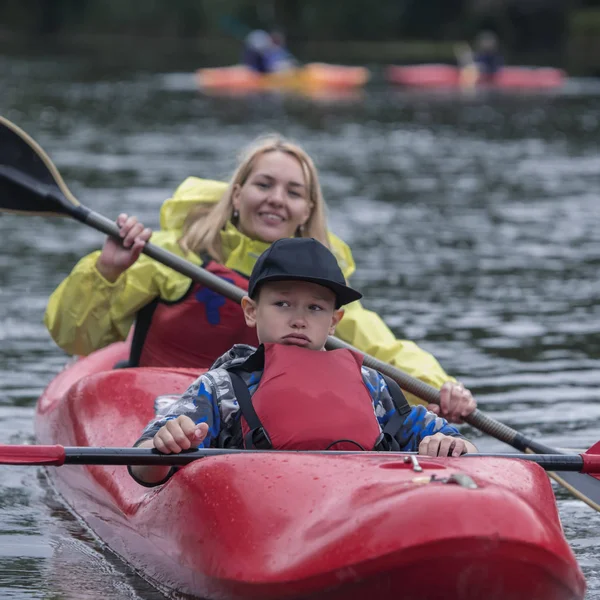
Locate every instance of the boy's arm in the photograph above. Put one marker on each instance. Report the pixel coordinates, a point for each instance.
(426, 433)
(198, 404)
(149, 475)
(420, 424)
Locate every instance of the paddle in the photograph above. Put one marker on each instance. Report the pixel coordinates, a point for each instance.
(57, 456)
(30, 183)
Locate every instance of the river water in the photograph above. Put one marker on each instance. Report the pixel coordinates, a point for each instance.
(474, 225)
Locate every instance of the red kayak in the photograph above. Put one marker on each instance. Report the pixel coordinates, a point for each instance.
(448, 76)
(283, 525)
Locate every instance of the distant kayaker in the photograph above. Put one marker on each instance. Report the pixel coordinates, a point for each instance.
(273, 194)
(487, 57)
(266, 53)
(288, 394)
(281, 58)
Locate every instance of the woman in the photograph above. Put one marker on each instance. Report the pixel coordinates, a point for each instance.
(274, 193)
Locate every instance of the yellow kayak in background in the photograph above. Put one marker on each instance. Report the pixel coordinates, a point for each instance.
(310, 76)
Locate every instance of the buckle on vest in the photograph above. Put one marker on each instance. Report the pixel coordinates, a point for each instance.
(258, 438)
(387, 443)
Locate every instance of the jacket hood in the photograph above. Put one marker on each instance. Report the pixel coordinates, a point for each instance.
(236, 356)
(191, 192)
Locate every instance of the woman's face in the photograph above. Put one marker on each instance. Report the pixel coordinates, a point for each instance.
(273, 202)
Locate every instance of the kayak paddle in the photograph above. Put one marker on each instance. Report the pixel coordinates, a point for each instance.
(57, 455)
(30, 183)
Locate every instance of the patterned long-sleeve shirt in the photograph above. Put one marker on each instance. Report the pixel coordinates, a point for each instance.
(211, 399)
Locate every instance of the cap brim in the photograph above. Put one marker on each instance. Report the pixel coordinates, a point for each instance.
(343, 293)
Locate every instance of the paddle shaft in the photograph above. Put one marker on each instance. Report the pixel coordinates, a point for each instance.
(58, 455)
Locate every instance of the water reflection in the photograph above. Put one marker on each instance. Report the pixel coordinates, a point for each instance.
(46, 553)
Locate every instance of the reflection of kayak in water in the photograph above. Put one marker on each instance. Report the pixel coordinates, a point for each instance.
(438, 75)
(312, 75)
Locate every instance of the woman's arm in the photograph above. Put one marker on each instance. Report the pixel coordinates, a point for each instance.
(366, 331)
(87, 312)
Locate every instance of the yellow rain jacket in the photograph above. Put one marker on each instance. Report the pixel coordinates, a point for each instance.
(86, 312)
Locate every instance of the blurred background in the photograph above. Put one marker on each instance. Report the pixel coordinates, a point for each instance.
(563, 33)
(471, 205)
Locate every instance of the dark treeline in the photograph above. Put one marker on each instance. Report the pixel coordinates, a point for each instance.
(541, 27)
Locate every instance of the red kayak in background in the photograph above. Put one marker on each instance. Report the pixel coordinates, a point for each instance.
(448, 76)
(300, 526)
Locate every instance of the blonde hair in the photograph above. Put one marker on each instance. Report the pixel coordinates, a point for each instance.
(202, 226)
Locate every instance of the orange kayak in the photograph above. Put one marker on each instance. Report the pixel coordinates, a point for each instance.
(310, 76)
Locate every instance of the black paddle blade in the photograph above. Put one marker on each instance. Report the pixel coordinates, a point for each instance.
(29, 181)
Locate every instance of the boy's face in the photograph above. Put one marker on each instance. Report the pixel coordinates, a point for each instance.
(297, 313)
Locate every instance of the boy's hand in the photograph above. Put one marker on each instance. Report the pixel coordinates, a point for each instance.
(456, 402)
(445, 445)
(179, 434)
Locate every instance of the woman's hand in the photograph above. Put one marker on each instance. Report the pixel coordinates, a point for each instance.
(456, 402)
(118, 255)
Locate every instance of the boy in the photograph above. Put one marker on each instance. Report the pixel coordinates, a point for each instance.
(287, 394)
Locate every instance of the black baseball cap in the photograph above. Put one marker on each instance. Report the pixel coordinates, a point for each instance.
(301, 259)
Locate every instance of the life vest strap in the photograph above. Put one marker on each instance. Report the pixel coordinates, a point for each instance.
(402, 407)
(395, 422)
(143, 320)
(257, 437)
